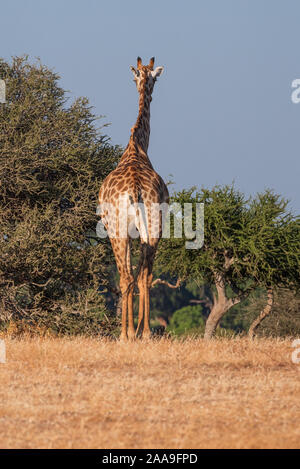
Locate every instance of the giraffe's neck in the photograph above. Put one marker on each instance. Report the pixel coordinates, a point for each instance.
(140, 132)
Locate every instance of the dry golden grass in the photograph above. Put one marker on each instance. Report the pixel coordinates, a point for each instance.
(89, 393)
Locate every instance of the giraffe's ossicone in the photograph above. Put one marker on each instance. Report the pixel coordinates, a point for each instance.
(132, 202)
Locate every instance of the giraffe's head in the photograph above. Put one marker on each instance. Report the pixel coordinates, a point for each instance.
(145, 75)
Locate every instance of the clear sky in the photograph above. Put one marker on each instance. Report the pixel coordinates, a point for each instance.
(222, 110)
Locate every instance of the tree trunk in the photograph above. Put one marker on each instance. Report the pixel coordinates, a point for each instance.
(267, 309)
(221, 304)
(215, 316)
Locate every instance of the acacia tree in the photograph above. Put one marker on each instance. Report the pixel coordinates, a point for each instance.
(53, 157)
(239, 252)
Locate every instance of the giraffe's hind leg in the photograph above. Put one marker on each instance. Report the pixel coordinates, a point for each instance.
(141, 286)
(131, 331)
(140, 283)
(144, 284)
(121, 249)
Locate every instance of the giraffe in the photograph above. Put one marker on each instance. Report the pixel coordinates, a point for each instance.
(140, 188)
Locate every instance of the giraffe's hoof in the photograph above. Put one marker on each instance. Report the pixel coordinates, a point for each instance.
(146, 335)
(131, 336)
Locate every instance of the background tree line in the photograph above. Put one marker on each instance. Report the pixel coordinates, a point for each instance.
(57, 277)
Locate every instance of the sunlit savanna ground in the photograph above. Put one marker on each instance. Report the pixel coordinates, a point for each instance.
(84, 392)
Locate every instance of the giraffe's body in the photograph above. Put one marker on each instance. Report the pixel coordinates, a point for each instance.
(134, 181)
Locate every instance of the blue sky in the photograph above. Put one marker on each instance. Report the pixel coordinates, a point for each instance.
(222, 110)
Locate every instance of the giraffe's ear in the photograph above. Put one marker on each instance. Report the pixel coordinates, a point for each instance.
(134, 71)
(157, 72)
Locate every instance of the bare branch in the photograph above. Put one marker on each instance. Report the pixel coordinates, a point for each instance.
(41, 284)
(164, 282)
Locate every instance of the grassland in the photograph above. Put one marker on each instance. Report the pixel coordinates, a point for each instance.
(89, 393)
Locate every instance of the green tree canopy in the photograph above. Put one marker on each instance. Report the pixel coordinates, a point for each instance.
(248, 243)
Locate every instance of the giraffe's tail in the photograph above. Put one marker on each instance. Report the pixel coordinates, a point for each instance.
(141, 225)
(140, 214)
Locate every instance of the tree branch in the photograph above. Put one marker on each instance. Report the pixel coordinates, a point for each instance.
(41, 284)
(164, 282)
(229, 261)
